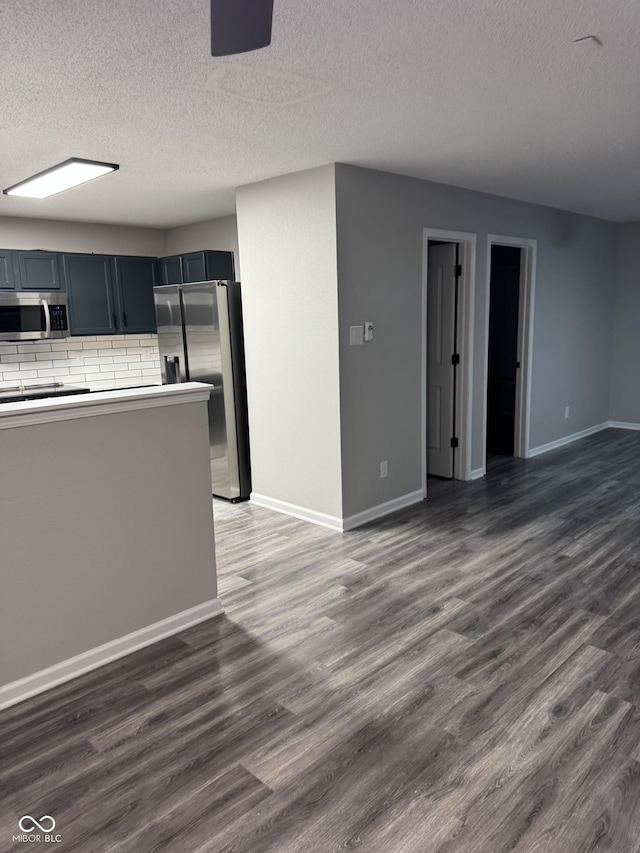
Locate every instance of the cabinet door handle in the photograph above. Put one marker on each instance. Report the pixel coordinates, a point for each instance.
(124, 320)
(113, 319)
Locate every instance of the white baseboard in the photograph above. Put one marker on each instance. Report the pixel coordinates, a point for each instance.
(622, 425)
(381, 510)
(567, 439)
(45, 679)
(477, 474)
(333, 522)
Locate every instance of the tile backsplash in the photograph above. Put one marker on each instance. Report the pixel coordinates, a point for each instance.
(97, 362)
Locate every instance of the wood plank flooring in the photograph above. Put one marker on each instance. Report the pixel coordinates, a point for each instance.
(461, 676)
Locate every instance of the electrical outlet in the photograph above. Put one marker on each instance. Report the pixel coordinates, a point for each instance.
(566, 411)
(384, 470)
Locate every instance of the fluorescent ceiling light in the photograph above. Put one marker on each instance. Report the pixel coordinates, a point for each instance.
(61, 177)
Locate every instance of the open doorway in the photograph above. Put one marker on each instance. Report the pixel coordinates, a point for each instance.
(448, 287)
(510, 287)
(504, 306)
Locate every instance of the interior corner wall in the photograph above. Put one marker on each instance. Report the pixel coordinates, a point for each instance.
(220, 233)
(625, 373)
(380, 222)
(287, 239)
(62, 236)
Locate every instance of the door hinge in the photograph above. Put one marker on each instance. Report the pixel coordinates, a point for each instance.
(454, 442)
(457, 270)
(455, 358)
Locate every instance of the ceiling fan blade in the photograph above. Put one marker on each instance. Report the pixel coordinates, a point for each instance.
(240, 25)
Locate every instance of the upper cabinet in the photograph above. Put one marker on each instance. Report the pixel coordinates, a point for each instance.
(135, 280)
(30, 271)
(208, 265)
(7, 278)
(194, 267)
(110, 296)
(39, 270)
(92, 297)
(171, 270)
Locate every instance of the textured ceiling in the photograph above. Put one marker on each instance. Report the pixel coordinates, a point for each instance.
(486, 94)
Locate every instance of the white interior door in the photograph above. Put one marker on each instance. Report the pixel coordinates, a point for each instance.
(441, 301)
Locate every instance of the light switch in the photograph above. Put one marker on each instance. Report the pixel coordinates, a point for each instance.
(356, 336)
(368, 330)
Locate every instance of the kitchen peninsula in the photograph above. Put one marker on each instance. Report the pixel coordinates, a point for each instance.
(106, 529)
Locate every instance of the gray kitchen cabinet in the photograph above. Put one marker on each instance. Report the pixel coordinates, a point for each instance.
(207, 265)
(30, 271)
(91, 294)
(7, 278)
(135, 279)
(40, 271)
(171, 270)
(194, 267)
(110, 295)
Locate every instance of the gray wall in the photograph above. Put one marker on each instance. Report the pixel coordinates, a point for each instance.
(59, 236)
(319, 428)
(380, 221)
(287, 235)
(625, 377)
(105, 536)
(219, 233)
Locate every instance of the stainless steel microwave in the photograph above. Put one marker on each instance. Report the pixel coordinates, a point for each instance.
(33, 316)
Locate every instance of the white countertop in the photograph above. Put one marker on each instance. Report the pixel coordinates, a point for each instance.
(28, 412)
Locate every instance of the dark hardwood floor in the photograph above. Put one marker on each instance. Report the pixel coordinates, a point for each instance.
(461, 676)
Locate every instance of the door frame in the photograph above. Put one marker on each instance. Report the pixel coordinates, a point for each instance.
(526, 303)
(464, 386)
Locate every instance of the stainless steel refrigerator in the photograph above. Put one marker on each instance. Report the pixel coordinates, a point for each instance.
(200, 340)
